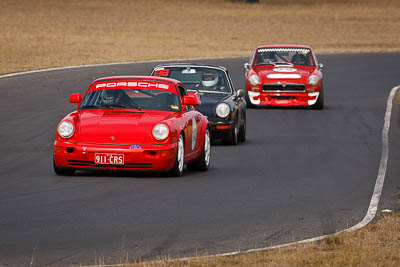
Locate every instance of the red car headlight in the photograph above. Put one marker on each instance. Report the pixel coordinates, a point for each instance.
(66, 129)
(160, 131)
(313, 80)
(254, 80)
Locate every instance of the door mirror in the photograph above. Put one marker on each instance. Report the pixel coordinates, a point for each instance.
(247, 66)
(75, 98)
(239, 93)
(191, 100)
(320, 65)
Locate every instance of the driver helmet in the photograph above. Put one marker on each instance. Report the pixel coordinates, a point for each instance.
(209, 79)
(111, 96)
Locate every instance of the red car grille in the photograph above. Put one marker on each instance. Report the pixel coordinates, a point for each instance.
(289, 87)
(81, 163)
(283, 97)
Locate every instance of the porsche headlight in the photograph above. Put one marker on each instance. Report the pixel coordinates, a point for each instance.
(222, 110)
(313, 80)
(160, 131)
(66, 129)
(254, 80)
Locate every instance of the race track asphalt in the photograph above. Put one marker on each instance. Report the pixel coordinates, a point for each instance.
(301, 173)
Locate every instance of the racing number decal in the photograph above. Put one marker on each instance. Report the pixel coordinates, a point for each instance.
(194, 133)
(164, 72)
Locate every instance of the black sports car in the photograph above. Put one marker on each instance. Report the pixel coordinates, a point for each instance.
(224, 106)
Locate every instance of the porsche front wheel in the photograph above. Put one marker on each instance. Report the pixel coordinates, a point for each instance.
(62, 171)
(177, 170)
(232, 138)
(242, 130)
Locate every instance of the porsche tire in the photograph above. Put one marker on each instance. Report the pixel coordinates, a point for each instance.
(232, 138)
(203, 161)
(179, 165)
(62, 171)
(242, 130)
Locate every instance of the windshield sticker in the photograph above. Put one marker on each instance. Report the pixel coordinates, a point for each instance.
(148, 85)
(297, 50)
(189, 71)
(161, 73)
(174, 107)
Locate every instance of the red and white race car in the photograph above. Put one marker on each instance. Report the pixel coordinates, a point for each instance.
(284, 75)
(133, 123)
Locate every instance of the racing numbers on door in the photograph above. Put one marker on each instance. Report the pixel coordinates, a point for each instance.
(161, 73)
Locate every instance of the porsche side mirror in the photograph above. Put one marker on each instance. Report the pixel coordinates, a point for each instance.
(239, 93)
(191, 100)
(246, 66)
(320, 65)
(75, 98)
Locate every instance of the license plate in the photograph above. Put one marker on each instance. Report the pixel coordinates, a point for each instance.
(109, 158)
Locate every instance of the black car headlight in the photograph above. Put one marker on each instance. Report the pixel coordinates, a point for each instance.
(223, 110)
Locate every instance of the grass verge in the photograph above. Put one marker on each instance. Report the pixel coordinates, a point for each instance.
(49, 33)
(377, 244)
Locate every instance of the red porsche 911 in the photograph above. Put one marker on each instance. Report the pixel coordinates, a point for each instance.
(133, 123)
(284, 75)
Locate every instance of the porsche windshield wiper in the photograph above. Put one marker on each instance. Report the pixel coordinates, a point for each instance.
(90, 107)
(113, 106)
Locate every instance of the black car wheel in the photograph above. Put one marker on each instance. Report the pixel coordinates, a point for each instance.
(62, 171)
(232, 138)
(242, 130)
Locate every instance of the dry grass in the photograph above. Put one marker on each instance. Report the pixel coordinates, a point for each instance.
(375, 245)
(48, 33)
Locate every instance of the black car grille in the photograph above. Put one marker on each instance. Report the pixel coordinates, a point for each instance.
(82, 163)
(289, 87)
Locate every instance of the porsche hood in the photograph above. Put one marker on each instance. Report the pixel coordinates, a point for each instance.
(116, 126)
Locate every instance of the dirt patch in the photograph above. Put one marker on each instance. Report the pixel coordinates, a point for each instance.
(50, 33)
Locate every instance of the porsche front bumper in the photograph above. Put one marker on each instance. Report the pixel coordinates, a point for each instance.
(136, 157)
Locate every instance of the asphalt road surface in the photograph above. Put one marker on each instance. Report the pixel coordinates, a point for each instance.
(301, 173)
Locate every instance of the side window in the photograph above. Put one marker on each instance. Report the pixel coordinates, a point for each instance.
(183, 93)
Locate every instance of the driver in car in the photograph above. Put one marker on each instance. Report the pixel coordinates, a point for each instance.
(115, 97)
(209, 81)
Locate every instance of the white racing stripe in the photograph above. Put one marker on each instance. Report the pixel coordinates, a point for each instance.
(373, 206)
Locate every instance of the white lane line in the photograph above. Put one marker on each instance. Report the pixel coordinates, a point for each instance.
(373, 205)
(109, 64)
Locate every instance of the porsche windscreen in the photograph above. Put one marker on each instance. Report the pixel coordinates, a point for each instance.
(139, 99)
(281, 56)
(197, 78)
